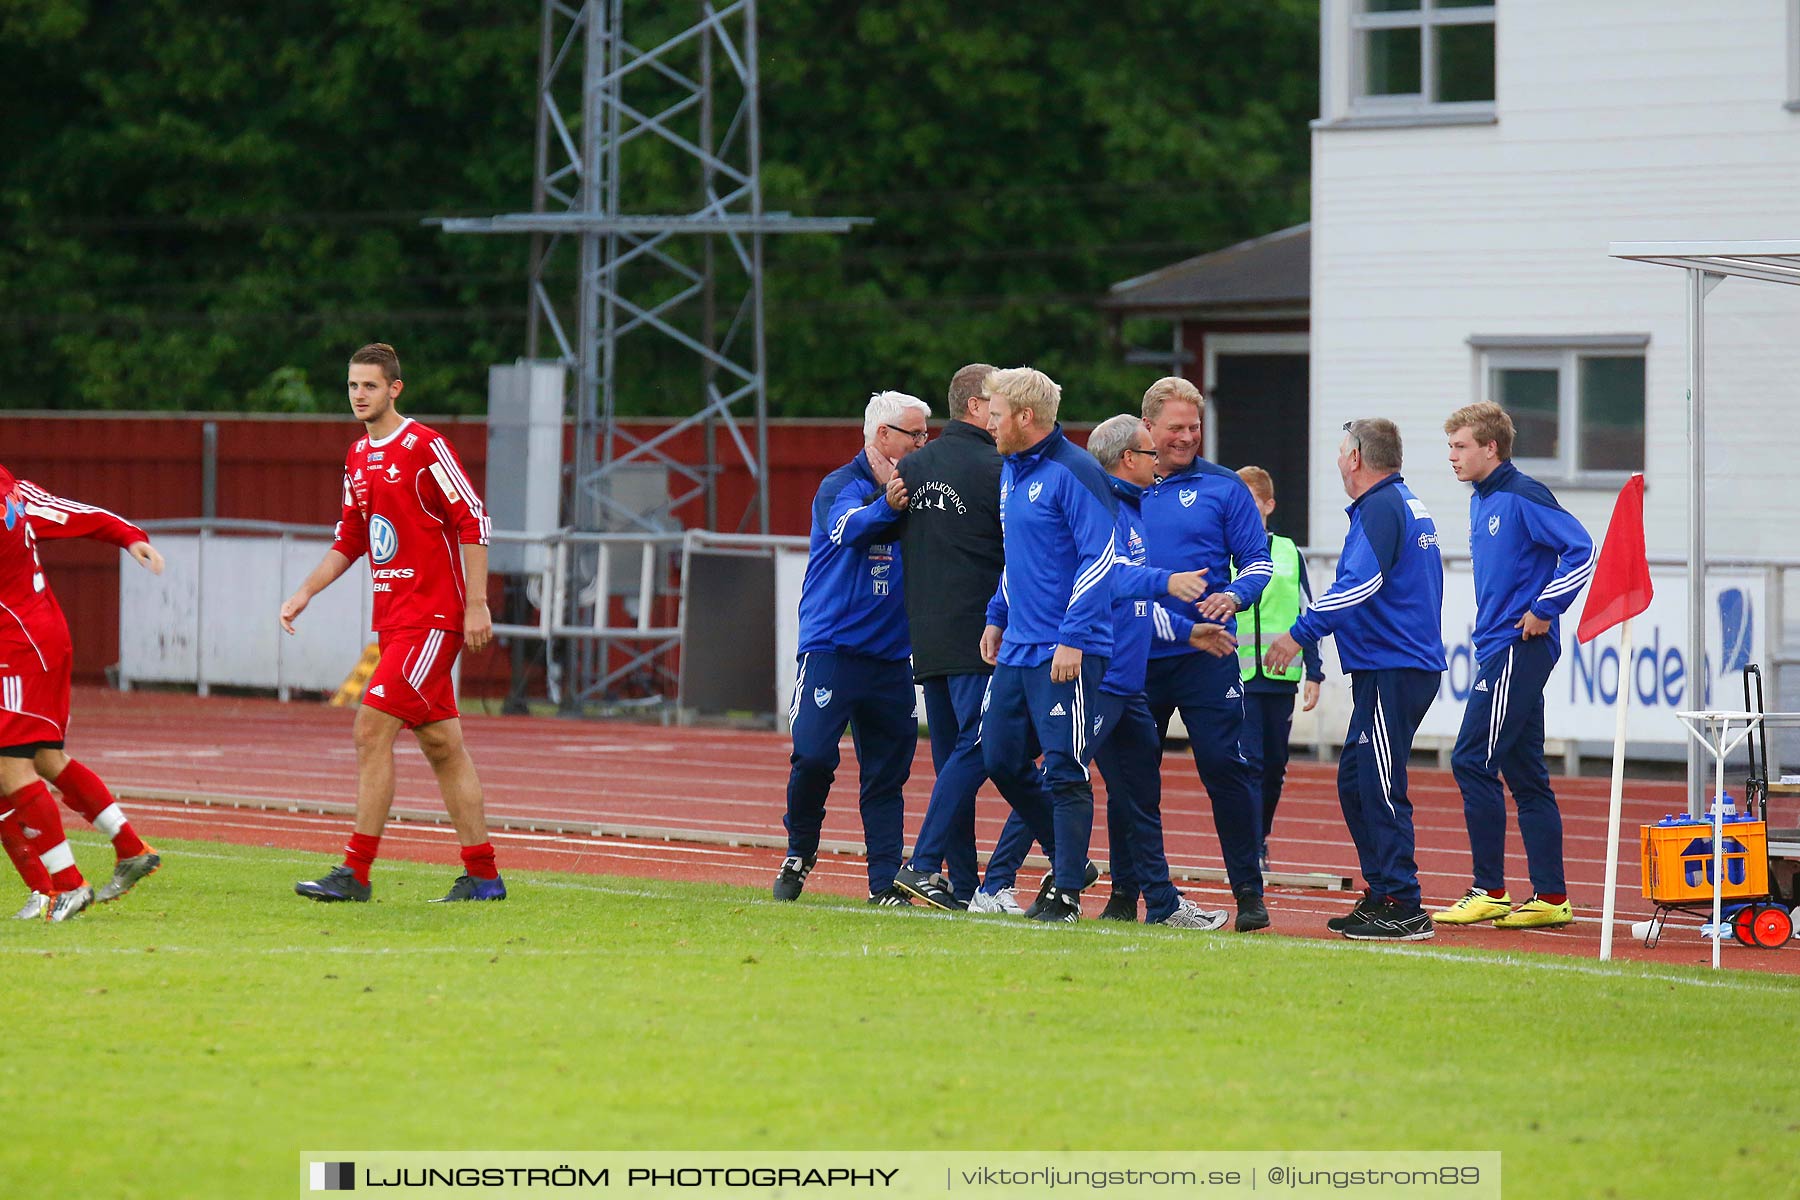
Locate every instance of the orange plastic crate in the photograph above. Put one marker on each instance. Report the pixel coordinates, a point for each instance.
(1678, 861)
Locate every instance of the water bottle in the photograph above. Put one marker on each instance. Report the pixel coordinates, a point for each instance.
(1724, 805)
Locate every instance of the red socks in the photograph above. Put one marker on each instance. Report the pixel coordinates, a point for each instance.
(85, 793)
(23, 860)
(359, 855)
(1553, 897)
(478, 861)
(35, 813)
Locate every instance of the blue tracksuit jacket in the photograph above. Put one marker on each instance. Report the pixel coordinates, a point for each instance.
(1136, 589)
(1385, 607)
(1528, 554)
(852, 600)
(1057, 513)
(1204, 517)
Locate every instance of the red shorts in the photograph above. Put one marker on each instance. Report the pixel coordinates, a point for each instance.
(412, 681)
(34, 693)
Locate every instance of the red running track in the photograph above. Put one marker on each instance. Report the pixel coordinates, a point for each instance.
(717, 785)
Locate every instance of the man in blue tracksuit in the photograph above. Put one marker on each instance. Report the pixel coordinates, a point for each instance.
(952, 544)
(1199, 515)
(855, 667)
(1049, 630)
(1385, 609)
(1531, 560)
(1124, 733)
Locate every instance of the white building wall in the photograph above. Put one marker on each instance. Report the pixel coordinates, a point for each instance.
(1617, 120)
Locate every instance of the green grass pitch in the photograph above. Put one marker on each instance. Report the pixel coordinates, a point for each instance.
(194, 1038)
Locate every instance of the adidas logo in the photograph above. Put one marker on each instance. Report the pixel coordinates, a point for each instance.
(1234, 694)
(1363, 740)
(377, 690)
(1058, 711)
(1481, 686)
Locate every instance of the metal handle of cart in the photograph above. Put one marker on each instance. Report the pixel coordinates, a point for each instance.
(1712, 730)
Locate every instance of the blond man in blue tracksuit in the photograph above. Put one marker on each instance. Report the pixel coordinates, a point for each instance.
(1049, 632)
(1531, 560)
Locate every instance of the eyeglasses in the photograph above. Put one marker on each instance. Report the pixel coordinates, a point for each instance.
(1358, 446)
(1150, 451)
(918, 436)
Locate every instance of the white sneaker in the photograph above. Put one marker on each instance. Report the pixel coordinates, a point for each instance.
(1188, 915)
(64, 905)
(34, 909)
(1004, 901)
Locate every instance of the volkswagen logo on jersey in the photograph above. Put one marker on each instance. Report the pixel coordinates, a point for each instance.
(384, 543)
(1188, 496)
(1031, 493)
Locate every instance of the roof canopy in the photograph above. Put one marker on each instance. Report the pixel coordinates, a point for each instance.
(1706, 264)
(1270, 272)
(1772, 262)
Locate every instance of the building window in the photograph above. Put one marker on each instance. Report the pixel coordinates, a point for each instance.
(1422, 56)
(1577, 407)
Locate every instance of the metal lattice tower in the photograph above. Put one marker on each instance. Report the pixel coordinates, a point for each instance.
(646, 134)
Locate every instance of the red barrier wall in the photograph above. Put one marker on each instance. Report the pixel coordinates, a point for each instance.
(278, 468)
(281, 468)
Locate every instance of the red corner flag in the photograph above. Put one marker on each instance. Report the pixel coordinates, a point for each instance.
(1621, 586)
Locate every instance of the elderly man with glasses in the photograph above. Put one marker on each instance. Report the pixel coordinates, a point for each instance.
(855, 652)
(1385, 610)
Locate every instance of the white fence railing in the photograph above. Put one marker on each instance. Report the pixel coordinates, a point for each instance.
(732, 601)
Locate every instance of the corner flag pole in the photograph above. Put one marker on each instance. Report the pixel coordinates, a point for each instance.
(1608, 904)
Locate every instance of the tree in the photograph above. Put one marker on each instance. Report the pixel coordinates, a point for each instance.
(210, 204)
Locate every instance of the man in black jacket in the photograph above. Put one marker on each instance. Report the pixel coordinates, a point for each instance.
(951, 543)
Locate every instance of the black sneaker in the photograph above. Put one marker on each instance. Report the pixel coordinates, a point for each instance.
(1251, 914)
(934, 890)
(1063, 907)
(1088, 879)
(467, 887)
(339, 884)
(792, 879)
(1120, 907)
(1391, 922)
(1361, 909)
(891, 897)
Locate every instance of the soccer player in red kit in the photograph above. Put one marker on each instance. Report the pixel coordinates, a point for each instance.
(35, 660)
(408, 505)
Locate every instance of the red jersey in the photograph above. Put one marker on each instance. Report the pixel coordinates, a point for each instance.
(408, 505)
(31, 621)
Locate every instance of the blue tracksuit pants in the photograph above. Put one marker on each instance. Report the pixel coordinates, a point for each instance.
(1209, 695)
(1503, 733)
(1268, 727)
(1130, 762)
(1127, 758)
(874, 699)
(1026, 712)
(1388, 707)
(947, 833)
